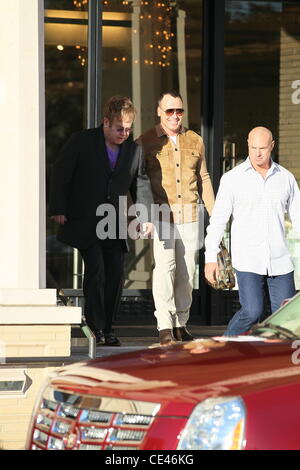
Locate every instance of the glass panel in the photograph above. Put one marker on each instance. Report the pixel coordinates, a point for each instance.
(66, 78)
(262, 85)
(153, 46)
(117, 50)
(252, 33)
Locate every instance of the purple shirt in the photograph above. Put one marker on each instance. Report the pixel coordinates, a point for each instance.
(112, 156)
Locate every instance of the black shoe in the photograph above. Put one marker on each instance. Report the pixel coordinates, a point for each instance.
(111, 340)
(182, 334)
(185, 334)
(100, 338)
(177, 334)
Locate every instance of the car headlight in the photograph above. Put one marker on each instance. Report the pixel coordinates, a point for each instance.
(215, 424)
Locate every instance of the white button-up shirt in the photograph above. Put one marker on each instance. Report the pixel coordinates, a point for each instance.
(258, 205)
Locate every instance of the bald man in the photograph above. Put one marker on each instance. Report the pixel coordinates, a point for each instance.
(257, 194)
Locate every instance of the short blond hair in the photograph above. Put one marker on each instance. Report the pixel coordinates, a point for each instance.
(119, 107)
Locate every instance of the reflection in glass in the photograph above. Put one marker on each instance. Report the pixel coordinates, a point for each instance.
(65, 64)
(252, 55)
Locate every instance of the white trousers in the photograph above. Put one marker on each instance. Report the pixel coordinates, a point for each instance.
(175, 250)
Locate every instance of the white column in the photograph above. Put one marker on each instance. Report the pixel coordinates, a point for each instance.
(22, 146)
(22, 169)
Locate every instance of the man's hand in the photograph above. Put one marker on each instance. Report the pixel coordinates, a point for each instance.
(211, 272)
(59, 219)
(137, 230)
(146, 229)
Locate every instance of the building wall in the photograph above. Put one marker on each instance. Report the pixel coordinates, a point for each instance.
(289, 119)
(16, 407)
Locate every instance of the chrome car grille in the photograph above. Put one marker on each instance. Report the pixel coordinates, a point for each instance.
(67, 421)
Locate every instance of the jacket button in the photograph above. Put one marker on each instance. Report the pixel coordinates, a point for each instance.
(178, 181)
(177, 164)
(108, 197)
(179, 195)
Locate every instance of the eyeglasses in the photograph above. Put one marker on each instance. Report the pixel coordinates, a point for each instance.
(124, 130)
(169, 112)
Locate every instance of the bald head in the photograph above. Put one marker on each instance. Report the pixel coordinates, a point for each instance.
(260, 131)
(260, 144)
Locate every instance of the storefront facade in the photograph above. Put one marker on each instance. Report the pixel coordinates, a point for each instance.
(236, 64)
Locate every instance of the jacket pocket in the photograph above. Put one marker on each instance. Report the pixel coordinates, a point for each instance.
(191, 158)
(159, 159)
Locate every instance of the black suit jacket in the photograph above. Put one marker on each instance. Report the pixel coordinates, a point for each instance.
(82, 180)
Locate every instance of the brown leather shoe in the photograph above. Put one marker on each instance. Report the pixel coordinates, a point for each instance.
(166, 336)
(182, 334)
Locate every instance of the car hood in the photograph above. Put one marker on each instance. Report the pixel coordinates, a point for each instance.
(186, 372)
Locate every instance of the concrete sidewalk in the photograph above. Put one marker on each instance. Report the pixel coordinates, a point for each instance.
(133, 338)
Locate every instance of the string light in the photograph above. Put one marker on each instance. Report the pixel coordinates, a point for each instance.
(124, 3)
(81, 51)
(159, 51)
(156, 22)
(80, 3)
(120, 59)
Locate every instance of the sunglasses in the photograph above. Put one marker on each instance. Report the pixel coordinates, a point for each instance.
(169, 112)
(124, 130)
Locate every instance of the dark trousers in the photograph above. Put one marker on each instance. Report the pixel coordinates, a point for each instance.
(102, 283)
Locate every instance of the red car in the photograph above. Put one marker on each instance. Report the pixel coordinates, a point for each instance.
(219, 393)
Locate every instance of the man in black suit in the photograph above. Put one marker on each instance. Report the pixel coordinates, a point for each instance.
(94, 172)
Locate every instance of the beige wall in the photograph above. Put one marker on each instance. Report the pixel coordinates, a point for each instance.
(289, 111)
(36, 341)
(16, 410)
(289, 116)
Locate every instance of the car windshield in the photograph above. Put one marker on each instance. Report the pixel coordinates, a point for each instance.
(286, 318)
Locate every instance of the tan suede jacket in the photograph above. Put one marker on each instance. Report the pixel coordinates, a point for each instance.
(178, 173)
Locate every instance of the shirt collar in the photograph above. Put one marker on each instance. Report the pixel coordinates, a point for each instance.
(161, 132)
(273, 168)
